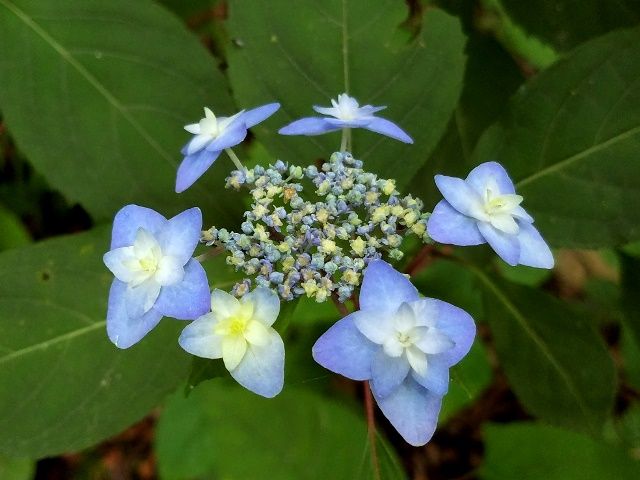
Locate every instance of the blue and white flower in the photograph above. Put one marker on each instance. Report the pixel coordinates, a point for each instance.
(484, 208)
(212, 135)
(150, 257)
(346, 113)
(241, 333)
(403, 344)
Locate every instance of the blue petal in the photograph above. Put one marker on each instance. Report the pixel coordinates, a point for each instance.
(199, 338)
(187, 148)
(459, 194)
(262, 368)
(412, 410)
(534, 251)
(436, 379)
(387, 372)
(193, 167)
(308, 126)
(189, 298)
(344, 350)
(233, 135)
(355, 123)
(384, 288)
(506, 246)
(181, 234)
(259, 114)
(122, 330)
(455, 323)
(487, 173)
(127, 222)
(447, 225)
(388, 128)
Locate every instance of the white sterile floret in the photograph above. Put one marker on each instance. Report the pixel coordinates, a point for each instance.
(240, 332)
(208, 129)
(499, 209)
(403, 337)
(145, 269)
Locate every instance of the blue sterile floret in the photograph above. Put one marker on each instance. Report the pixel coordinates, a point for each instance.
(346, 112)
(484, 208)
(403, 344)
(150, 257)
(212, 135)
(299, 246)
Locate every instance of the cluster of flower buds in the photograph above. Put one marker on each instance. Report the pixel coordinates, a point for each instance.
(317, 247)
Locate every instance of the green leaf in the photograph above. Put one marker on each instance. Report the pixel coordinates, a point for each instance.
(527, 451)
(630, 300)
(468, 379)
(566, 23)
(225, 431)
(14, 234)
(572, 134)
(16, 469)
(63, 385)
(96, 94)
(556, 363)
(304, 56)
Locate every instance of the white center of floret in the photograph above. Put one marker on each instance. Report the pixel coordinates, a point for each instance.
(499, 209)
(211, 127)
(414, 340)
(346, 108)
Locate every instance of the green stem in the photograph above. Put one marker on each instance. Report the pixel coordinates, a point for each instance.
(234, 158)
(346, 135)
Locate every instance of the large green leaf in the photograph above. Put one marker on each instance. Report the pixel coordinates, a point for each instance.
(63, 385)
(16, 469)
(96, 94)
(555, 361)
(566, 23)
(573, 134)
(14, 233)
(526, 451)
(307, 54)
(225, 431)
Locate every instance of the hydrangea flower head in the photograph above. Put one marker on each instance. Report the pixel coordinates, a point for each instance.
(212, 135)
(150, 257)
(346, 112)
(484, 208)
(403, 344)
(240, 332)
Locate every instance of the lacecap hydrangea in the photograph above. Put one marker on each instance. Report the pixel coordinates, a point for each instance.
(330, 232)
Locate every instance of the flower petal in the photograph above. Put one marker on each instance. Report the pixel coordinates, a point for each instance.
(181, 234)
(116, 261)
(170, 271)
(257, 333)
(131, 218)
(384, 288)
(456, 324)
(412, 410)
(234, 348)
(308, 126)
(447, 225)
(404, 318)
(266, 305)
(193, 167)
(490, 174)
(417, 359)
(123, 330)
(198, 338)
(353, 123)
(189, 298)
(197, 143)
(223, 304)
(506, 246)
(141, 298)
(505, 223)
(259, 114)
(376, 326)
(534, 251)
(460, 196)
(388, 128)
(387, 373)
(233, 135)
(344, 350)
(433, 341)
(436, 377)
(262, 368)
